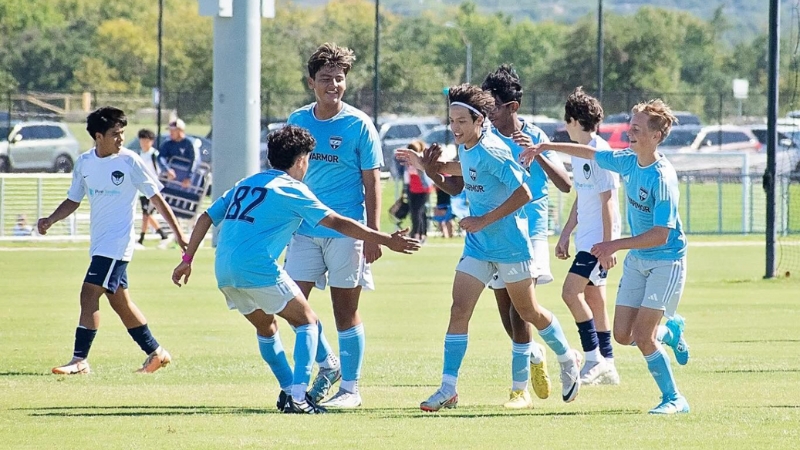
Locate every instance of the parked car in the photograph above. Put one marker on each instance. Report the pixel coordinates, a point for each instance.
(722, 138)
(788, 136)
(199, 142)
(681, 136)
(686, 118)
(399, 132)
(616, 134)
(444, 137)
(37, 146)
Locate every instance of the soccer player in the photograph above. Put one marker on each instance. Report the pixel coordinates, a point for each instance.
(528, 357)
(344, 173)
(654, 271)
(595, 212)
(256, 219)
(111, 176)
(497, 232)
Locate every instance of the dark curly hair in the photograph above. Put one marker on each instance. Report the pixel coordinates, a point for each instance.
(584, 108)
(473, 96)
(330, 55)
(504, 84)
(103, 119)
(287, 144)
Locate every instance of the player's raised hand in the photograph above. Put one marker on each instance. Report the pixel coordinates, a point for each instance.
(431, 160)
(562, 247)
(401, 243)
(530, 153)
(184, 270)
(43, 225)
(409, 157)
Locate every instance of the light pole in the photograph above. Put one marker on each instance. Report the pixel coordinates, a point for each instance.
(376, 79)
(600, 50)
(468, 44)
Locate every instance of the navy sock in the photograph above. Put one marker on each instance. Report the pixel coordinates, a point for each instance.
(604, 337)
(144, 338)
(588, 335)
(83, 342)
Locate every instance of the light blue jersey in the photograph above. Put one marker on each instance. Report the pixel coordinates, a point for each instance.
(256, 220)
(653, 197)
(491, 175)
(536, 210)
(347, 143)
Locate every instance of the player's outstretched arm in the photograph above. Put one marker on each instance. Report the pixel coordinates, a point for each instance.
(166, 212)
(515, 201)
(397, 241)
(184, 269)
(581, 151)
(651, 238)
(372, 203)
(63, 211)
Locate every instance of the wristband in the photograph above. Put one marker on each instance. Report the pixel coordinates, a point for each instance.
(187, 258)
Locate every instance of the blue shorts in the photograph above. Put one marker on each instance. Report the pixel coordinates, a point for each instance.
(108, 273)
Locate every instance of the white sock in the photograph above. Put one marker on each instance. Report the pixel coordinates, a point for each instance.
(536, 353)
(565, 357)
(610, 361)
(449, 383)
(350, 386)
(594, 355)
(299, 392)
(519, 385)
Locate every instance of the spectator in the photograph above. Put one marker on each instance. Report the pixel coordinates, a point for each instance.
(178, 146)
(150, 156)
(418, 186)
(443, 213)
(21, 228)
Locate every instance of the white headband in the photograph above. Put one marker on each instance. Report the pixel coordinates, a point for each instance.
(468, 107)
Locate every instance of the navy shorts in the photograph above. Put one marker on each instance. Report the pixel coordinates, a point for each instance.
(147, 207)
(587, 266)
(108, 273)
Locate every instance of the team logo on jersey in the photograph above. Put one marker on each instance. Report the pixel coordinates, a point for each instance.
(473, 174)
(643, 194)
(587, 171)
(335, 142)
(117, 177)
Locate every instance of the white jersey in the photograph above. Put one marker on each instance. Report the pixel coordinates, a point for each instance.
(112, 184)
(150, 158)
(589, 181)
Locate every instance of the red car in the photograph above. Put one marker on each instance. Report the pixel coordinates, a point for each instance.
(616, 134)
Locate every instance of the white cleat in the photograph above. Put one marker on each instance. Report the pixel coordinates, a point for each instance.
(343, 399)
(593, 371)
(570, 376)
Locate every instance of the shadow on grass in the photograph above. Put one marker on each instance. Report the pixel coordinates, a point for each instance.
(761, 341)
(23, 374)
(476, 411)
(757, 371)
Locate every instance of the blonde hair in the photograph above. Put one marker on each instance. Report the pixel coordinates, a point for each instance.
(660, 117)
(417, 145)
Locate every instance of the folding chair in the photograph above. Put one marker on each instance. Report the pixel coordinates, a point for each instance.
(186, 201)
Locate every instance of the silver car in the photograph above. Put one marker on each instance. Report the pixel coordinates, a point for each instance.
(37, 146)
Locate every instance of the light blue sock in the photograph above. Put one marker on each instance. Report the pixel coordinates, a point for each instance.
(554, 337)
(324, 356)
(663, 334)
(520, 365)
(351, 352)
(272, 351)
(455, 347)
(305, 345)
(658, 364)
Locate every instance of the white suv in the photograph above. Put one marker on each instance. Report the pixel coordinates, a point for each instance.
(37, 146)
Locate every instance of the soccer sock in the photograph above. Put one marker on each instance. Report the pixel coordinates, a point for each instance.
(325, 357)
(664, 335)
(520, 366)
(455, 347)
(535, 352)
(554, 337)
(83, 342)
(141, 237)
(351, 355)
(144, 338)
(604, 341)
(273, 354)
(305, 345)
(162, 233)
(589, 339)
(658, 364)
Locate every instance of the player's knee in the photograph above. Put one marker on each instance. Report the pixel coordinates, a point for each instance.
(623, 337)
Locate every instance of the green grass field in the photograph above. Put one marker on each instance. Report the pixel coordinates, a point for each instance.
(743, 381)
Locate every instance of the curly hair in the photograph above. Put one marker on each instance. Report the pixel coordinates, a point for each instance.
(584, 108)
(473, 96)
(330, 55)
(103, 119)
(287, 144)
(504, 84)
(660, 117)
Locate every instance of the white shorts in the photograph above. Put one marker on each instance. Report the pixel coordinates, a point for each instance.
(270, 299)
(541, 262)
(486, 271)
(652, 284)
(335, 261)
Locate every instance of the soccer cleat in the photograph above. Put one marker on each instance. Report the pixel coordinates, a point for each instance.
(677, 405)
(156, 360)
(343, 399)
(611, 376)
(323, 383)
(139, 246)
(305, 406)
(676, 324)
(570, 376)
(74, 367)
(283, 398)
(520, 399)
(439, 400)
(539, 377)
(593, 372)
(164, 244)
